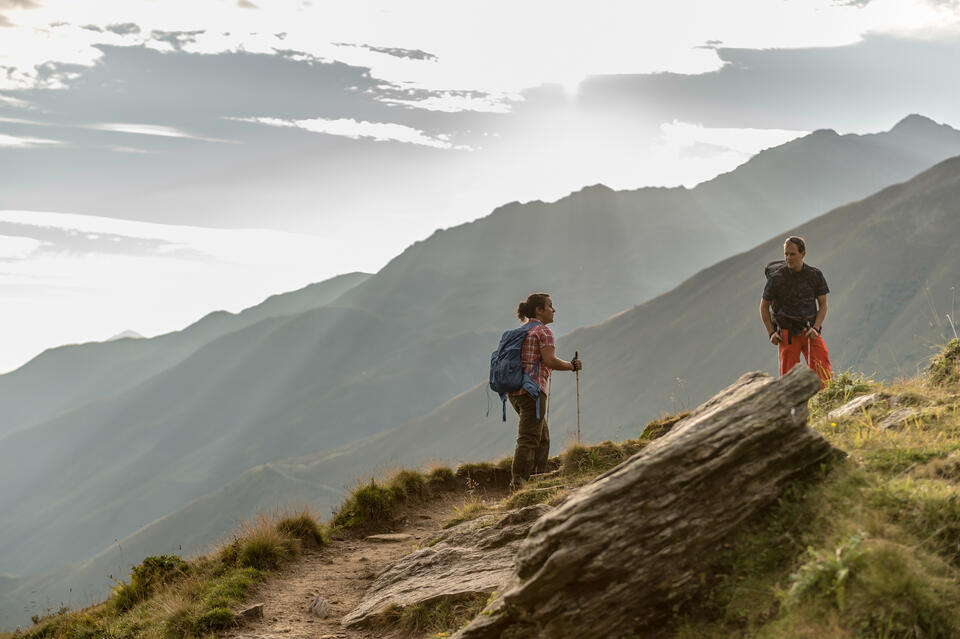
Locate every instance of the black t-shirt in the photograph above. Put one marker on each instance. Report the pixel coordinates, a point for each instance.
(795, 292)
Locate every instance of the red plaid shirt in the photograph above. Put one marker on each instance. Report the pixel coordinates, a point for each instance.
(537, 337)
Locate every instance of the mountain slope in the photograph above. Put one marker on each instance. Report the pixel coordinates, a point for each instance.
(66, 377)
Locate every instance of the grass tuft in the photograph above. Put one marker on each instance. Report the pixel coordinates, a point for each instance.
(303, 526)
(442, 616)
(945, 366)
(660, 427)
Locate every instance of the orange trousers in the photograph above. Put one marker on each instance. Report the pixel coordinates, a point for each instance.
(814, 350)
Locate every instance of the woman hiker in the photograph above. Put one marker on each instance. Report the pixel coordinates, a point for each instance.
(797, 295)
(539, 357)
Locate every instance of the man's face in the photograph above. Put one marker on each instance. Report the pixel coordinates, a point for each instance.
(792, 256)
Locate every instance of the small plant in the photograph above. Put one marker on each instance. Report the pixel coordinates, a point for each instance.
(826, 574)
(470, 510)
(839, 390)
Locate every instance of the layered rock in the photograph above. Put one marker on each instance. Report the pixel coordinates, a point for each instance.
(475, 557)
(620, 552)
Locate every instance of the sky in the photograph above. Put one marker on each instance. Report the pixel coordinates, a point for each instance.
(162, 159)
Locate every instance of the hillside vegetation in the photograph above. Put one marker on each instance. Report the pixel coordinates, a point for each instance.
(864, 547)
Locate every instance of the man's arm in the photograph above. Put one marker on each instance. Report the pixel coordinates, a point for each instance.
(549, 357)
(772, 333)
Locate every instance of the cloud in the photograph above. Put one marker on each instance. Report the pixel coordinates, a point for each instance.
(17, 247)
(457, 101)
(53, 239)
(354, 129)
(246, 4)
(13, 102)
(541, 42)
(704, 141)
(412, 54)
(16, 142)
(18, 4)
(150, 129)
(126, 28)
(21, 121)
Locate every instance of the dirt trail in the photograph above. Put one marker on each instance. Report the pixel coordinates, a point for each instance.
(340, 572)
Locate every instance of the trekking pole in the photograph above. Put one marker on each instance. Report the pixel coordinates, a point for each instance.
(576, 356)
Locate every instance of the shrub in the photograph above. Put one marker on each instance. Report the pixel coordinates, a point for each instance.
(945, 367)
(147, 578)
(214, 619)
(408, 484)
(301, 526)
(369, 504)
(442, 475)
(265, 549)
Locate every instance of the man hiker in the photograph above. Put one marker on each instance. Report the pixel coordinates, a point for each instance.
(793, 308)
(538, 356)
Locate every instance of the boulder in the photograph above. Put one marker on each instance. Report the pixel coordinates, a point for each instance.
(472, 558)
(251, 613)
(854, 406)
(622, 551)
(899, 418)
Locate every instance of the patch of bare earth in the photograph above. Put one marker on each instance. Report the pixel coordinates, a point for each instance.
(340, 573)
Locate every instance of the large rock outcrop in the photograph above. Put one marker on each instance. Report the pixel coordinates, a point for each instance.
(623, 550)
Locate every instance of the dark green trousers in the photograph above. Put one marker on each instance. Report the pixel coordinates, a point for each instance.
(533, 438)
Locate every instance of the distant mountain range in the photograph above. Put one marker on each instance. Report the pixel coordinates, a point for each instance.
(64, 378)
(128, 438)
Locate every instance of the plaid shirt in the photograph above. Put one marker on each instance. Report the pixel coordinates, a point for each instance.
(537, 337)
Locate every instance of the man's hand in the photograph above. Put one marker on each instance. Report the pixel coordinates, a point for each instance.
(775, 338)
(812, 332)
(577, 364)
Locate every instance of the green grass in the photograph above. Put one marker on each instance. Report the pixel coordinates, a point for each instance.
(863, 548)
(168, 597)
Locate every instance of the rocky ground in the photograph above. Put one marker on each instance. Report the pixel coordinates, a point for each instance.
(341, 573)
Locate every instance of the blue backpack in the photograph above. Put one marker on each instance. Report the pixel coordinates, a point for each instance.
(506, 368)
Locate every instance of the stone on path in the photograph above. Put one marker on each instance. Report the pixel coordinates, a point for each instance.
(251, 613)
(320, 607)
(391, 538)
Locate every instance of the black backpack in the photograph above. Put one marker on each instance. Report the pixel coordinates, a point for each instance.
(781, 319)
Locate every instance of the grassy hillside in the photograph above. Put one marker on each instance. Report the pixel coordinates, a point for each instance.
(865, 547)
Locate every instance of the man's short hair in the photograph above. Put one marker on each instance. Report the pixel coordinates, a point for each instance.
(798, 242)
